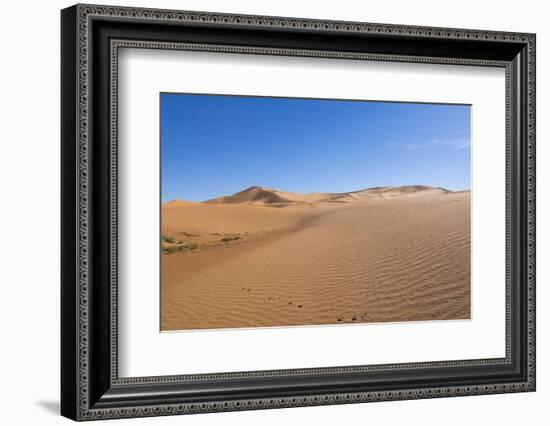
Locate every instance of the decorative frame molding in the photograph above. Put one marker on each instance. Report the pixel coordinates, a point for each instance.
(91, 388)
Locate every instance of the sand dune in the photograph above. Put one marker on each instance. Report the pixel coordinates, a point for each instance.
(268, 196)
(177, 203)
(375, 255)
(252, 195)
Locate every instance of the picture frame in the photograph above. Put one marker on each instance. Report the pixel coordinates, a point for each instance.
(90, 384)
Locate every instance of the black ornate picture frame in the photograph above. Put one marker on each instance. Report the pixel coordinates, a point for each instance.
(91, 387)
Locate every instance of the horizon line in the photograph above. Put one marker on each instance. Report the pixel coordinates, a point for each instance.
(313, 192)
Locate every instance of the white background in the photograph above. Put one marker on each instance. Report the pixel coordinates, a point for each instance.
(146, 352)
(29, 229)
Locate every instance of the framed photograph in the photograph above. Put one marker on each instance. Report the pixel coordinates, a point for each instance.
(263, 212)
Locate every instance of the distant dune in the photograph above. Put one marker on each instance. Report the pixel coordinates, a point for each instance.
(177, 203)
(252, 195)
(373, 255)
(267, 196)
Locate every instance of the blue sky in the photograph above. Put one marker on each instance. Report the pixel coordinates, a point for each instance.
(213, 145)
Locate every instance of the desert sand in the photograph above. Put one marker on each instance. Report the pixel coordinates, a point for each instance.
(264, 257)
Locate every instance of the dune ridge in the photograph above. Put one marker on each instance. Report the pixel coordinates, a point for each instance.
(178, 202)
(373, 255)
(267, 196)
(254, 194)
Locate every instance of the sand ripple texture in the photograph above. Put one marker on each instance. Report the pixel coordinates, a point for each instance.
(354, 259)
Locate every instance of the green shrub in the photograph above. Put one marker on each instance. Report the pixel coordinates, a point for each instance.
(180, 246)
(171, 249)
(166, 239)
(230, 237)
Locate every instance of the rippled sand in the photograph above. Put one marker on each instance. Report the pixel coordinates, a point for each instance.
(396, 254)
